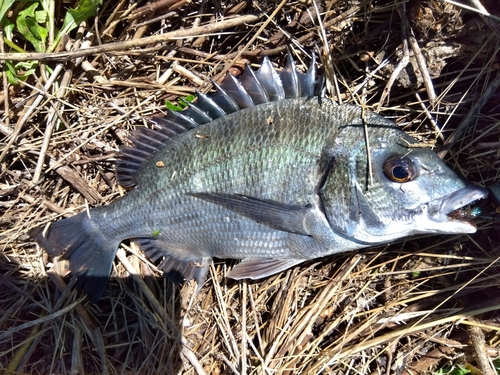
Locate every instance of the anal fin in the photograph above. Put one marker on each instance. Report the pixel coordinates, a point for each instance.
(261, 267)
(176, 267)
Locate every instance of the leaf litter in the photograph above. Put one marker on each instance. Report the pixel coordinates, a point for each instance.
(411, 307)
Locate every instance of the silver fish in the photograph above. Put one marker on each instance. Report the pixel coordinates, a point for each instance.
(268, 171)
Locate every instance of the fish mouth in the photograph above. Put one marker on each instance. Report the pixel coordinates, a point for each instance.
(446, 212)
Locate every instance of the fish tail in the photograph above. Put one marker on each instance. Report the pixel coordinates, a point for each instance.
(89, 251)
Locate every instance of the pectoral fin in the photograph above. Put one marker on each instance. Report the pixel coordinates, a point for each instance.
(259, 268)
(276, 215)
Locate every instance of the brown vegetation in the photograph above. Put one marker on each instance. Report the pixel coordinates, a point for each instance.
(404, 308)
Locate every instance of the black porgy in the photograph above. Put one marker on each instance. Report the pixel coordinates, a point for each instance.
(268, 171)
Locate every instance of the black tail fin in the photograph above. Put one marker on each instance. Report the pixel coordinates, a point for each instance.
(89, 252)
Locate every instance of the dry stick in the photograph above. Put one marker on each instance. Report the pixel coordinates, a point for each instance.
(257, 52)
(256, 35)
(487, 17)
(74, 178)
(51, 122)
(28, 113)
(190, 356)
(160, 311)
(5, 128)
(156, 19)
(148, 294)
(159, 18)
(417, 326)
(401, 65)
(418, 54)
(476, 338)
(76, 352)
(409, 39)
(256, 322)
(231, 342)
(243, 289)
(121, 46)
(256, 351)
(328, 356)
(332, 84)
(104, 129)
(117, 16)
(480, 9)
(430, 118)
(457, 134)
(424, 72)
(20, 353)
(50, 205)
(151, 8)
(306, 321)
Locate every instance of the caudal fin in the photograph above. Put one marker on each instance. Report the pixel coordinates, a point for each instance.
(89, 252)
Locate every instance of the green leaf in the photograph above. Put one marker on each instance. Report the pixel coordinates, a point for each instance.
(13, 71)
(173, 106)
(183, 103)
(30, 29)
(74, 17)
(40, 16)
(8, 28)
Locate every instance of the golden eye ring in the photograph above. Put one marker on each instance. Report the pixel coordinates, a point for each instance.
(400, 169)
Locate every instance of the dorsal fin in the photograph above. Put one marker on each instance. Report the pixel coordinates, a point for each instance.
(233, 94)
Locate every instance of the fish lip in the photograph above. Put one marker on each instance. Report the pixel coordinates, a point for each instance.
(462, 198)
(440, 209)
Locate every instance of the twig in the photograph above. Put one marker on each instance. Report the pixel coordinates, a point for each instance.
(51, 122)
(430, 118)
(481, 10)
(401, 65)
(189, 355)
(252, 39)
(50, 205)
(74, 178)
(120, 254)
(110, 48)
(487, 17)
(5, 92)
(152, 8)
(244, 301)
(33, 107)
(424, 72)
(476, 337)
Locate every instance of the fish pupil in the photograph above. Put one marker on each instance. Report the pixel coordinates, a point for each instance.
(400, 172)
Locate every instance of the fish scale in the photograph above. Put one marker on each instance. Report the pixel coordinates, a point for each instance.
(267, 171)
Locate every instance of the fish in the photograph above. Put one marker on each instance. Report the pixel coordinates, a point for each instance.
(266, 170)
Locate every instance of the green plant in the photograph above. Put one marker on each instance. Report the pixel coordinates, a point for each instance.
(33, 21)
(183, 103)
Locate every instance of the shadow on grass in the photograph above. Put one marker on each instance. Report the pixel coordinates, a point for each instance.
(44, 330)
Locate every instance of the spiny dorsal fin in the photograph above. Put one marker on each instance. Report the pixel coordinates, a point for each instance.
(233, 94)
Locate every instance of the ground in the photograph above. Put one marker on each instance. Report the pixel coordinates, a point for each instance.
(419, 306)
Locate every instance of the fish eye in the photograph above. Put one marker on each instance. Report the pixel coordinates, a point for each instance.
(399, 168)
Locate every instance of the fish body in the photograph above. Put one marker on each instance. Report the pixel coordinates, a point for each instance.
(268, 172)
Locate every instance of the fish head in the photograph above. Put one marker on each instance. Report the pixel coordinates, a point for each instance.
(393, 190)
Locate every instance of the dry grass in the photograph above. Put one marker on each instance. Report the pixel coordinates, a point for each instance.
(405, 308)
